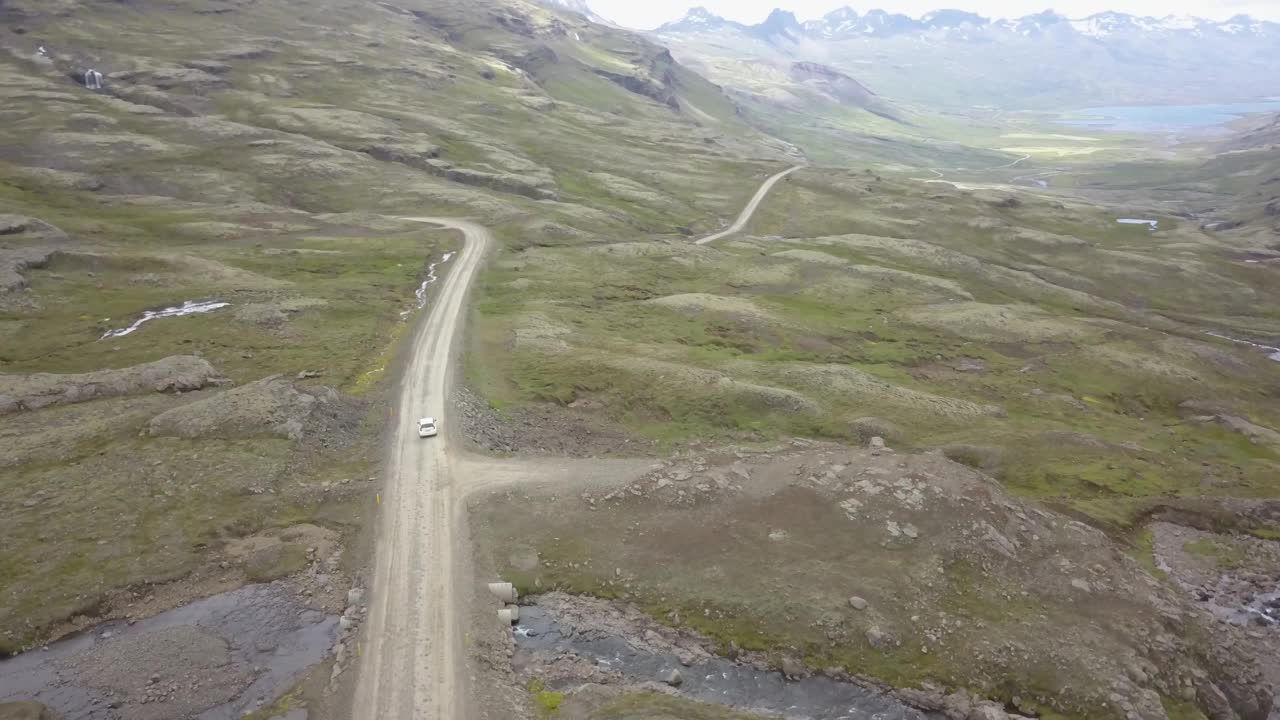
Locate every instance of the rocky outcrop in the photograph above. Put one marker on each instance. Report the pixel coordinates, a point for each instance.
(180, 373)
(190, 79)
(414, 155)
(13, 263)
(29, 226)
(647, 87)
(841, 88)
(1211, 412)
(525, 185)
(271, 406)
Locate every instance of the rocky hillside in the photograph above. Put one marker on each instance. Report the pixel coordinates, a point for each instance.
(217, 182)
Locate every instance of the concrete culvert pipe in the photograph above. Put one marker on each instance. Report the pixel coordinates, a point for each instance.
(509, 615)
(506, 592)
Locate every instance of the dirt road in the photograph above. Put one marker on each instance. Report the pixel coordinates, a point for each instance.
(410, 667)
(745, 216)
(412, 659)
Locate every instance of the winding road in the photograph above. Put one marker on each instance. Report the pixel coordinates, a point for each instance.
(412, 662)
(745, 216)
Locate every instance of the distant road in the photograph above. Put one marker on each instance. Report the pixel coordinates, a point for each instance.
(750, 209)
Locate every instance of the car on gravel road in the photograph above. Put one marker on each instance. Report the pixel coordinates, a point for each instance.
(427, 428)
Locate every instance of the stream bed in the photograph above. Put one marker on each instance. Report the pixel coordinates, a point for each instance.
(714, 680)
(215, 659)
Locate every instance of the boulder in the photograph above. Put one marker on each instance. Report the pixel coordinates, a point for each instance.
(793, 669)
(673, 678)
(857, 603)
(866, 428)
(879, 639)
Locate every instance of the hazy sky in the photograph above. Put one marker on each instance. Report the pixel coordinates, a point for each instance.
(648, 14)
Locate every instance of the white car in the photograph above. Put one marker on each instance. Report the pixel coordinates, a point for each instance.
(427, 428)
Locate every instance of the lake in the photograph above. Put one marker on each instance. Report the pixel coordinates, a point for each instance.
(1163, 118)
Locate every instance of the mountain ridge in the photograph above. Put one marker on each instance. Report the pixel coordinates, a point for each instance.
(845, 23)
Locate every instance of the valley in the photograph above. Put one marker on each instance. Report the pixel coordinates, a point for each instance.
(777, 379)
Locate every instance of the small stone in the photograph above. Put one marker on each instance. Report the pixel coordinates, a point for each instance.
(857, 603)
(988, 712)
(876, 443)
(355, 596)
(673, 678)
(879, 639)
(1081, 585)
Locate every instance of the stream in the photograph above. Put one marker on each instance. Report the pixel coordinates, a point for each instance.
(1272, 352)
(188, 307)
(717, 680)
(421, 292)
(215, 659)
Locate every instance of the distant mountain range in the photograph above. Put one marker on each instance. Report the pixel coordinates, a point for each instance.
(959, 59)
(846, 24)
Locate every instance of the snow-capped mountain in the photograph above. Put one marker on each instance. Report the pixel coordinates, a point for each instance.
(699, 19)
(846, 23)
(952, 19)
(960, 59)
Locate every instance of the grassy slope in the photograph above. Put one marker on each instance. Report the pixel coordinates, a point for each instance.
(1088, 344)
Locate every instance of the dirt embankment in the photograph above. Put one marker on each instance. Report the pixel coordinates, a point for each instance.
(25, 711)
(180, 373)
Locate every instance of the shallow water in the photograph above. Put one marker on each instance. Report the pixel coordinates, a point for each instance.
(272, 637)
(717, 680)
(1158, 118)
(188, 307)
